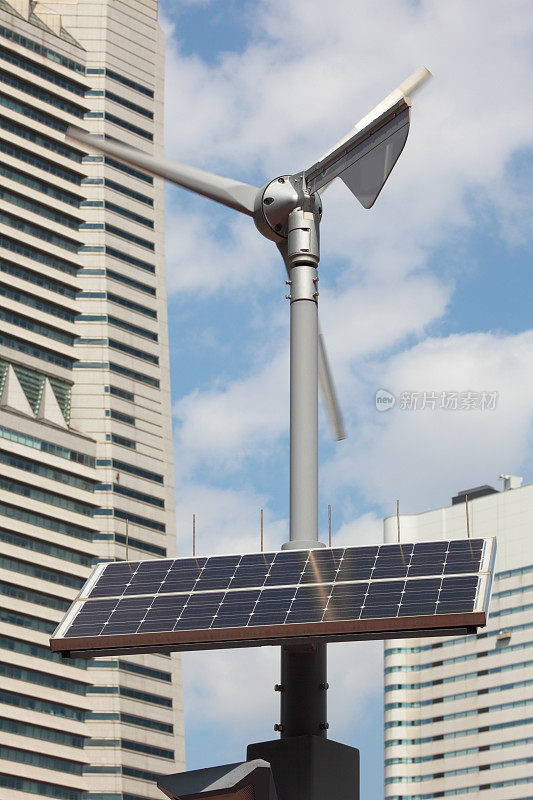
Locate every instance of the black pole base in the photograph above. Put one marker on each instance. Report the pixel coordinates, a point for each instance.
(310, 768)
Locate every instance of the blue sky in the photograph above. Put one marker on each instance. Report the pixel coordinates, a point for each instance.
(429, 291)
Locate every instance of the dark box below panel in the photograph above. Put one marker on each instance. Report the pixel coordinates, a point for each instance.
(310, 767)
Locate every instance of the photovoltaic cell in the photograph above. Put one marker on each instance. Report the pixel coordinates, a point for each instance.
(357, 592)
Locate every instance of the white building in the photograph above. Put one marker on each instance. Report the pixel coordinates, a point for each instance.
(459, 711)
(85, 425)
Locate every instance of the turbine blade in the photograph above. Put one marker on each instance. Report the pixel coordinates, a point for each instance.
(329, 395)
(365, 157)
(325, 379)
(239, 196)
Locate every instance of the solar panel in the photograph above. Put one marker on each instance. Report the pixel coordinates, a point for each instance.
(379, 591)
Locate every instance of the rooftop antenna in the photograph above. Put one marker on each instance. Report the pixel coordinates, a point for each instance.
(261, 530)
(288, 211)
(467, 517)
(194, 534)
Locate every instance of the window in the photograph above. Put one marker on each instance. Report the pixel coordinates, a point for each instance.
(117, 187)
(121, 466)
(42, 706)
(148, 672)
(41, 678)
(36, 302)
(41, 163)
(143, 521)
(120, 393)
(9, 268)
(135, 173)
(116, 76)
(133, 351)
(141, 287)
(39, 787)
(137, 262)
(138, 544)
(136, 329)
(42, 72)
(40, 139)
(44, 496)
(36, 230)
(122, 123)
(41, 50)
(42, 521)
(131, 719)
(46, 447)
(121, 101)
(38, 208)
(122, 301)
(131, 373)
(32, 596)
(37, 651)
(125, 212)
(142, 497)
(55, 100)
(31, 325)
(118, 415)
(33, 350)
(130, 237)
(32, 113)
(26, 621)
(28, 251)
(40, 546)
(39, 186)
(121, 440)
(38, 732)
(42, 573)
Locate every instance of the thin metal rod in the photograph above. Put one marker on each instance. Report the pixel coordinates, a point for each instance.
(127, 538)
(329, 524)
(398, 518)
(261, 530)
(194, 534)
(467, 518)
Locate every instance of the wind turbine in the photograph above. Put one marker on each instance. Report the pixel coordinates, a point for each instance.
(288, 210)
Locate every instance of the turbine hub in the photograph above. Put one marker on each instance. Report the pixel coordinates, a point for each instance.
(274, 204)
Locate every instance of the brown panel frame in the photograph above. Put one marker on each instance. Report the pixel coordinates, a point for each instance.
(210, 638)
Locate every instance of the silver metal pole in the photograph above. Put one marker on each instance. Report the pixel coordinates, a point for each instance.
(303, 256)
(303, 686)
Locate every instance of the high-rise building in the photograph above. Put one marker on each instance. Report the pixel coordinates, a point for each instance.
(459, 710)
(85, 416)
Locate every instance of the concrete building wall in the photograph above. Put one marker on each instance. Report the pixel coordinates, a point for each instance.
(458, 711)
(85, 414)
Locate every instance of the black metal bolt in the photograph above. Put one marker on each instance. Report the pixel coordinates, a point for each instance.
(281, 180)
(279, 727)
(277, 227)
(279, 687)
(324, 726)
(324, 686)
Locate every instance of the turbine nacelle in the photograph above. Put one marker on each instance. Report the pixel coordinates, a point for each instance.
(276, 200)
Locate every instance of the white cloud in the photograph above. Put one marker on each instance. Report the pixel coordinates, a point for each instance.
(423, 456)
